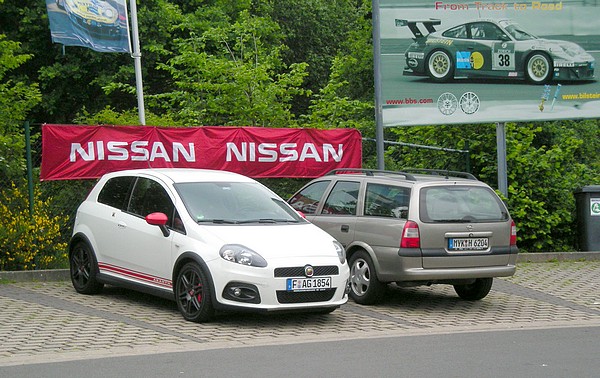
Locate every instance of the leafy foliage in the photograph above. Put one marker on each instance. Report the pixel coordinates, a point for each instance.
(16, 100)
(242, 83)
(29, 241)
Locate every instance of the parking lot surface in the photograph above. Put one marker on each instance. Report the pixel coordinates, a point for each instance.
(49, 321)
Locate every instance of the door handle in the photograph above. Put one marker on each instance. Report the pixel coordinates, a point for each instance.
(345, 228)
(121, 225)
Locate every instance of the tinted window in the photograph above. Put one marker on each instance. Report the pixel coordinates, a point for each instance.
(456, 32)
(461, 204)
(116, 191)
(486, 30)
(387, 201)
(343, 199)
(309, 198)
(148, 197)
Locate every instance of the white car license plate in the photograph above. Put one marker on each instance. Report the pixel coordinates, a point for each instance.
(468, 244)
(308, 284)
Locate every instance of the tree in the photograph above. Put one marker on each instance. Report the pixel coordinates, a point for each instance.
(16, 101)
(233, 75)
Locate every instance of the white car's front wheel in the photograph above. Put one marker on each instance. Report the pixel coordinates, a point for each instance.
(192, 290)
(538, 69)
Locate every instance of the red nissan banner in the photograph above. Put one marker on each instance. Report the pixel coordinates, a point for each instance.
(85, 152)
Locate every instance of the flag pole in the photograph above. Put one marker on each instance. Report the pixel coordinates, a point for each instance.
(137, 61)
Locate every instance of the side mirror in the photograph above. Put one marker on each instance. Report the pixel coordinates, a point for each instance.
(160, 220)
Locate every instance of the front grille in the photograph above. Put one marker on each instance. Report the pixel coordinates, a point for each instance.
(298, 271)
(304, 296)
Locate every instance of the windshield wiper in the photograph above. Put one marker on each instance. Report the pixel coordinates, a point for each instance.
(268, 220)
(216, 221)
(453, 220)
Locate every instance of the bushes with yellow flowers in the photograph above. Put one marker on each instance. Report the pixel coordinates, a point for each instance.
(30, 241)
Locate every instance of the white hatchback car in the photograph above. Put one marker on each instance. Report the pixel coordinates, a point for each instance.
(211, 240)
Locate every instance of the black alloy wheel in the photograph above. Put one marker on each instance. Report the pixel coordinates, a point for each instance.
(193, 294)
(83, 267)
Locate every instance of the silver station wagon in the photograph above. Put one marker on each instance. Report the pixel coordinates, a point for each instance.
(416, 227)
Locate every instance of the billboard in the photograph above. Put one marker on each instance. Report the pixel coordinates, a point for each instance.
(483, 62)
(101, 25)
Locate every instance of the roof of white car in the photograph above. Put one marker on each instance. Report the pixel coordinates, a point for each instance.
(185, 174)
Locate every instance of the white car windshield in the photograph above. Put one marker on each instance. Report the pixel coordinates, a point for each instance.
(516, 31)
(234, 203)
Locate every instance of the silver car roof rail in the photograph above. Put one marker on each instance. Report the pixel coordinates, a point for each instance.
(442, 172)
(406, 172)
(371, 172)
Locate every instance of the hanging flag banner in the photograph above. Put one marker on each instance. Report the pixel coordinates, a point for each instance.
(86, 152)
(100, 25)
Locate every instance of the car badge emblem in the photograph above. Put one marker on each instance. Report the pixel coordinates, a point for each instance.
(469, 227)
(309, 271)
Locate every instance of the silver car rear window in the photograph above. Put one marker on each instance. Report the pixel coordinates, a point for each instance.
(456, 204)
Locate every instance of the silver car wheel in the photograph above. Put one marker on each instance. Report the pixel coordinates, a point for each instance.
(439, 66)
(538, 68)
(360, 276)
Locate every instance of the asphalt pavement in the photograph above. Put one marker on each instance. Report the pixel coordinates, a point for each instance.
(43, 319)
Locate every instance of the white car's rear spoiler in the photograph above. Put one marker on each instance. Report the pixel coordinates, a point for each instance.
(414, 28)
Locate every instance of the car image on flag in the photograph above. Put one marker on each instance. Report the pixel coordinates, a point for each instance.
(99, 18)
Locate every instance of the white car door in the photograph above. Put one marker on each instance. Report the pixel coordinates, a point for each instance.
(143, 249)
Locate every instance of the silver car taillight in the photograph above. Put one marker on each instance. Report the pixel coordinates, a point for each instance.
(410, 235)
(513, 233)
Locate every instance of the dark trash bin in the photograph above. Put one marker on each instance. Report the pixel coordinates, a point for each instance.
(587, 201)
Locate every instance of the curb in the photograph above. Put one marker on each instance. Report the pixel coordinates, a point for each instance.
(36, 275)
(557, 256)
(63, 274)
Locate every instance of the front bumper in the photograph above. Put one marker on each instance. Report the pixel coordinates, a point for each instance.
(574, 71)
(268, 288)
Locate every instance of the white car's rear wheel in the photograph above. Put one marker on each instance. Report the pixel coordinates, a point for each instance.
(83, 269)
(439, 66)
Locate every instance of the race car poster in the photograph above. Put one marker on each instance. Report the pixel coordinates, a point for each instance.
(97, 24)
(445, 62)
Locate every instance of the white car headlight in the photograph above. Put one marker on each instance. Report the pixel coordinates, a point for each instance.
(242, 255)
(340, 251)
